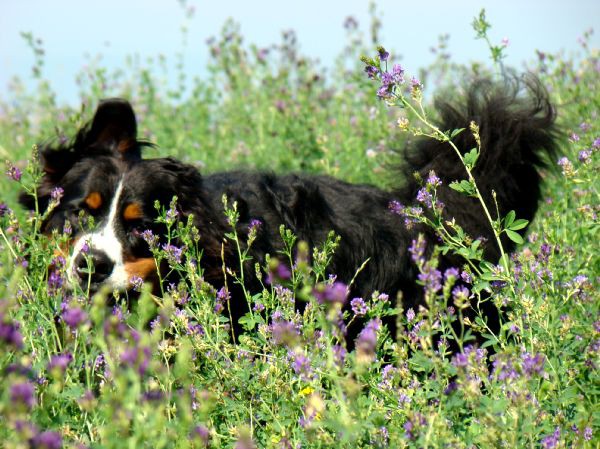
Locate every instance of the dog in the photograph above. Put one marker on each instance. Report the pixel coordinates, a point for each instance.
(102, 172)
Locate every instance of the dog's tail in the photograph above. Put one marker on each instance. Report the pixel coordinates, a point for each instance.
(518, 137)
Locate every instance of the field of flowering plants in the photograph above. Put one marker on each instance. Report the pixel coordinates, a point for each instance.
(162, 371)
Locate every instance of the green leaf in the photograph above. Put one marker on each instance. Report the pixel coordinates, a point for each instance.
(514, 236)
(456, 132)
(480, 286)
(510, 217)
(456, 186)
(489, 276)
(247, 321)
(463, 186)
(471, 157)
(518, 224)
(486, 266)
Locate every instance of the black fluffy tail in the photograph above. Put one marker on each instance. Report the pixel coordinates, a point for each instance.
(516, 126)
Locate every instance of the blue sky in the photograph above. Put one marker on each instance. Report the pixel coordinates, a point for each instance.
(74, 30)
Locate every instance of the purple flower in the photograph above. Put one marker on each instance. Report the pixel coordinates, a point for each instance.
(46, 440)
(417, 249)
(551, 441)
(278, 271)
(150, 238)
(339, 353)
(433, 180)
(171, 214)
(9, 332)
(383, 54)
(284, 333)
(173, 253)
(284, 295)
(398, 74)
(136, 283)
(387, 79)
(423, 196)
(415, 83)
(396, 207)
(452, 386)
(460, 360)
(359, 307)
(300, 363)
(258, 307)
(385, 91)
(57, 193)
(335, 293)
(137, 357)
(59, 362)
(371, 71)
(451, 273)
(533, 364)
(23, 394)
(504, 369)
(13, 172)
(460, 293)
(585, 156)
(366, 342)
(587, 433)
(387, 377)
(194, 329)
(74, 317)
(566, 165)
(201, 433)
(221, 299)
(254, 225)
(383, 297)
(55, 281)
(410, 315)
(431, 278)
(412, 425)
(466, 277)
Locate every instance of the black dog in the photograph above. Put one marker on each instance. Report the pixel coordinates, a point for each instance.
(102, 172)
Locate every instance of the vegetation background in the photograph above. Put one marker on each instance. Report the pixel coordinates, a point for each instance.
(75, 373)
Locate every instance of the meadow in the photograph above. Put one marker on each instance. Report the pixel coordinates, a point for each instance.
(164, 372)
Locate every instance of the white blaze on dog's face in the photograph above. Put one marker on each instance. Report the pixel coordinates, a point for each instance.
(104, 250)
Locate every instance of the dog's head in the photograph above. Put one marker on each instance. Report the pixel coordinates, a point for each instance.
(103, 176)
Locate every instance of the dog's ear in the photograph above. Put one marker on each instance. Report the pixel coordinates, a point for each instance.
(114, 126)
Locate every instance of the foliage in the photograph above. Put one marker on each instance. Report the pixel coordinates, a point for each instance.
(78, 373)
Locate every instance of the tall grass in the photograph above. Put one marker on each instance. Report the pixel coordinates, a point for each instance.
(78, 373)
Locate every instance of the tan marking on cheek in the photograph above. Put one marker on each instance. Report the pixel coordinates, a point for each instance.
(64, 248)
(133, 211)
(125, 145)
(93, 200)
(143, 267)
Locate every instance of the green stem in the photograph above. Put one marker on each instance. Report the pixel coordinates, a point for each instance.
(444, 137)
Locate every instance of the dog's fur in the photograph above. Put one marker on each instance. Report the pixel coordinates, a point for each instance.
(102, 172)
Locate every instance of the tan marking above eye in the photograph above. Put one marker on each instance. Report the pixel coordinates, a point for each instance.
(132, 211)
(144, 267)
(93, 200)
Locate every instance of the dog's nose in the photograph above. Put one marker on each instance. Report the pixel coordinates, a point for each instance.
(99, 269)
